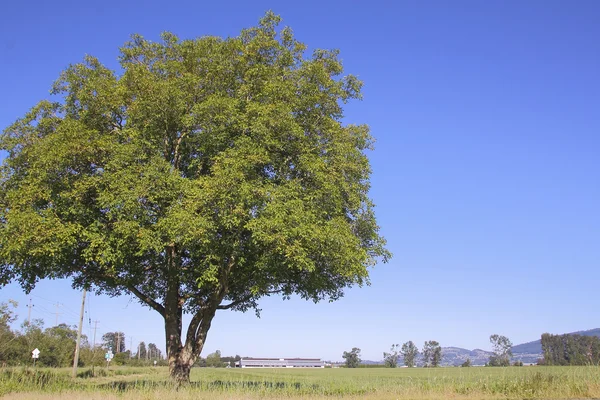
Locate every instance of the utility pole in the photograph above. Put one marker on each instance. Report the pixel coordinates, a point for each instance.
(118, 343)
(130, 347)
(29, 313)
(139, 350)
(76, 359)
(57, 313)
(95, 328)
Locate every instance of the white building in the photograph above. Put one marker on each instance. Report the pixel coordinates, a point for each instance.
(250, 362)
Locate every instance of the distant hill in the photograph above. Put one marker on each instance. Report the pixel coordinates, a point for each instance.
(529, 352)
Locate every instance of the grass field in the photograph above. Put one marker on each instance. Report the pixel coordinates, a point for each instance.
(375, 383)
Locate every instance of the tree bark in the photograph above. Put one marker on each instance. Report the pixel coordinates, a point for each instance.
(182, 357)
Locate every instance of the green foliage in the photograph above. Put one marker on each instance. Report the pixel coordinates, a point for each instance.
(432, 354)
(467, 363)
(114, 341)
(391, 359)
(409, 353)
(214, 360)
(502, 351)
(352, 357)
(570, 349)
(203, 175)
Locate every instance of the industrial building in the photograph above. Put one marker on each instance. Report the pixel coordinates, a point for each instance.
(250, 362)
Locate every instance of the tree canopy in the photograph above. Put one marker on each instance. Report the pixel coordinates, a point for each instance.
(203, 175)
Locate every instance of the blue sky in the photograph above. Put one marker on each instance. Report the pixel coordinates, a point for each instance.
(486, 168)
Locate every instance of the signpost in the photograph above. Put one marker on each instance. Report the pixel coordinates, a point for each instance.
(35, 354)
(109, 356)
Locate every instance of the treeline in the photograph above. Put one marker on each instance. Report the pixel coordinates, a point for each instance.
(570, 349)
(431, 355)
(57, 345)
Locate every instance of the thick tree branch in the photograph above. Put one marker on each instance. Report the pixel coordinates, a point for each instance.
(147, 300)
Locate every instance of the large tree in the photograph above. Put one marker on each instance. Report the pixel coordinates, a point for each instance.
(352, 357)
(201, 176)
(432, 354)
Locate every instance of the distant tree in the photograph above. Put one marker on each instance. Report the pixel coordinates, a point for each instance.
(518, 363)
(391, 359)
(114, 341)
(467, 363)
(432, 353)
(121, 358)
(352, 358)
(214, 360)
(56, 344)
(409, 353)
(142, 352)
(501, 347)
(570, 349)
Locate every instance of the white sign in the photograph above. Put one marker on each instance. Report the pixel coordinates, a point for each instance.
(35, 353)
(109, 355)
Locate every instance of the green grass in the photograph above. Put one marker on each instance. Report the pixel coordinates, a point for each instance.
(418, 383)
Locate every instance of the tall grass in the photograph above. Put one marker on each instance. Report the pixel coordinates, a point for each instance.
(414, 383)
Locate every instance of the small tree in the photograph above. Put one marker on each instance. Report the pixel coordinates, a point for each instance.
(432, 353)
(502, 348)
(214, 360)
(467, 363)
(352, 358)
(391, 359)
(409, 353)
(114, 341)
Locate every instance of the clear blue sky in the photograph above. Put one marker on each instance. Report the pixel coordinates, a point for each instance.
(486, 170)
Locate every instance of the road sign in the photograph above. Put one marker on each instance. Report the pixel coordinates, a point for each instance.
(35, 353)
(109, 355)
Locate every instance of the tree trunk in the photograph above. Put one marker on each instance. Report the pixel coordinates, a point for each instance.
(181, 356)
(180, 370)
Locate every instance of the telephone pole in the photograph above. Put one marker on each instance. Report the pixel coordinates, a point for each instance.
(118, 343)
(95, 328)
(130, 347)
(29, 313)
(76, 359)
(57, 313)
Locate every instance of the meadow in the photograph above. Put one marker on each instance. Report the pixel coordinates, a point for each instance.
(362, 383)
